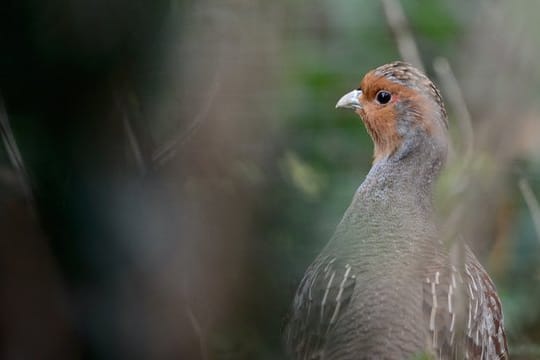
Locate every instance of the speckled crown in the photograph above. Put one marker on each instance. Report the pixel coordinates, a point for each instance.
(405, 74)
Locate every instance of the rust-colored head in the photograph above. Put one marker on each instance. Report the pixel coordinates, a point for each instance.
(396, 100)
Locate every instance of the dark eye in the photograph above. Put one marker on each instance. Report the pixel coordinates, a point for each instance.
(383, 97)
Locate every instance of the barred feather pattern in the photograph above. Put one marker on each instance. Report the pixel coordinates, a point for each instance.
(323, 295)
(464, 313)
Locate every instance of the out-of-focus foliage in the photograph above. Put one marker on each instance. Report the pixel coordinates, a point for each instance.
(187, 164)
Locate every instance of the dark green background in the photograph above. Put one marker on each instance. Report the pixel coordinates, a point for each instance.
(125, 254)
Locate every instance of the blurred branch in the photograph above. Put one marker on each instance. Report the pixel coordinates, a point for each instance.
(395, 16)
(195, 323)
(456, 100)
(14, 156)
(532, 203)
(408, 49)
(133, 143)
(198, 331)
(167, 150)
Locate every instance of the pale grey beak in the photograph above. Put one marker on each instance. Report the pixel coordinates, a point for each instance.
(350, 100)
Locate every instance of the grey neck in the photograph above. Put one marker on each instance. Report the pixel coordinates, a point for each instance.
(395, 202)
(408, 174)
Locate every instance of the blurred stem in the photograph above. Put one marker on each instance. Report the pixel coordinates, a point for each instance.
(409, 52)
(198, 331)
(15, 157)
(532, 203)
(395, 16)
(457, 102)
(167, 150)
(134, 143)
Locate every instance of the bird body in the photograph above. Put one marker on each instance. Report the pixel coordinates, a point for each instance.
(385, 287)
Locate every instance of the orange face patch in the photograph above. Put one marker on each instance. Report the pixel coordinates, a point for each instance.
(381, 119)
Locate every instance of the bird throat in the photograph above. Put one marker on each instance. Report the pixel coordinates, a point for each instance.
(407, 165)
(383, 132)
(396, 197)
(392, 207)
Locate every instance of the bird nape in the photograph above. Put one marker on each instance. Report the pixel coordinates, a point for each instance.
(385, 286)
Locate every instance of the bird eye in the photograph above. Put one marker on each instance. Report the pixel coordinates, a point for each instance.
(383, 97)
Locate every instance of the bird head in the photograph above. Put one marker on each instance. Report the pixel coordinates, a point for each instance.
(401, 109)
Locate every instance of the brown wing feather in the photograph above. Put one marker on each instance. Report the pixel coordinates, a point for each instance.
(322, 297)
(463, 313)
(485, 335)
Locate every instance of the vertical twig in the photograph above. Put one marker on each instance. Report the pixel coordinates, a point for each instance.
(167, 150)
(532, 203)
(131, 134)
(164, 152)
(409, 52)
(133, 143)
(395, 16)
(457, 101)
(198, 332)
(14, 155)
(457, 218)
(195, 323)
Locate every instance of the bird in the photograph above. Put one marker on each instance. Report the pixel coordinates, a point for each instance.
(387, 285)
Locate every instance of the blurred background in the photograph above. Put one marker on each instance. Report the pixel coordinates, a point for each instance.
(170, 168)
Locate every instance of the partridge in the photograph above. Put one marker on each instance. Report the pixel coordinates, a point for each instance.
(386, 285)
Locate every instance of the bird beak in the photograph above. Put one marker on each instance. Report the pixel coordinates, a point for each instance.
(350, 100)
